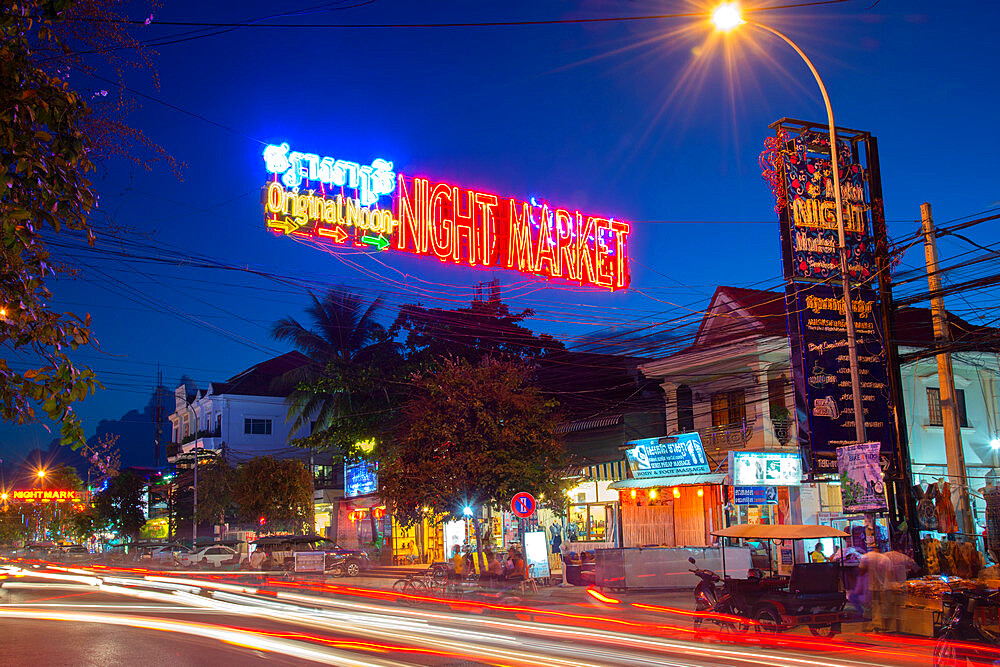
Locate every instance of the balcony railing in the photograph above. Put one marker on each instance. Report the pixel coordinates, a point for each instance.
(727, 436)
(783, 430)
(214, 433)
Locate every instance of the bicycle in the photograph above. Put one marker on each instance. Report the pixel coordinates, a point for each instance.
(421, 583)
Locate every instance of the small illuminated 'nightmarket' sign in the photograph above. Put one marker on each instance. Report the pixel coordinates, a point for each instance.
(370, 206)
(47, 495)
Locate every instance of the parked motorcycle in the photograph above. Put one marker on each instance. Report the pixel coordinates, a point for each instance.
(961, 640)
(710, 605)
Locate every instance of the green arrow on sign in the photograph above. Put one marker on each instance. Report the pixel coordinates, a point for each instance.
(378, 241)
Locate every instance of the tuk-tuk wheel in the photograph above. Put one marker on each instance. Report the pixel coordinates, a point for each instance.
(768, 620)
(825, 631)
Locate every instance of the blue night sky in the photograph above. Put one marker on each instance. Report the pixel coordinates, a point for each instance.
(641, 120)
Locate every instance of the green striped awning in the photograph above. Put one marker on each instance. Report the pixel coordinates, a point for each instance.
(607, 472)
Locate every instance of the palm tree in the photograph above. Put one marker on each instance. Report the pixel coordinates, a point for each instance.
(344, 338)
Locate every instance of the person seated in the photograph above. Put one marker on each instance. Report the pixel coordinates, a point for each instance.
(516, 567)
(411, 554)
(494, 570)
(817, 555)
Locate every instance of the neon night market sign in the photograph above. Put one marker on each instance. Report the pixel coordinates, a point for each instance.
(370, 206)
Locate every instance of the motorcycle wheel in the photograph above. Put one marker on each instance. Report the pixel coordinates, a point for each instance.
(944, 650)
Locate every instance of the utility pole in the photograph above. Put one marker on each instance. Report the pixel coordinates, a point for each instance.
(194, 505)
(946, 378)
(157, 416)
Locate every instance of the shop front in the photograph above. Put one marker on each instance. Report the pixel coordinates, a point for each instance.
(669, 505)
(592, 514)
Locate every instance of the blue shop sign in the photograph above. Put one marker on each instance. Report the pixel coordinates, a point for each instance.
(360, 479)
(755, 495)
(670, 455)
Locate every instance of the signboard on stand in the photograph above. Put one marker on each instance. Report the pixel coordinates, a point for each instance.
(861, 482)
(310, 561)
(672, 455)
(536, 554)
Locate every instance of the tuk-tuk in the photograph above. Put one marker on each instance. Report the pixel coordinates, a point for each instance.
(812, 594)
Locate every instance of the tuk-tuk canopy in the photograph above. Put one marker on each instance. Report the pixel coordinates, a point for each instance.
(760, 531)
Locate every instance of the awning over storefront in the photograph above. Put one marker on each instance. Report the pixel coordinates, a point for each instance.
(612, 471)
(677, 480)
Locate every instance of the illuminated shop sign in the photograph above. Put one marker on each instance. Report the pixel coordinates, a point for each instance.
(360, 479)
(759, 468)
(47, 495)
(681, 454)
(351, 204)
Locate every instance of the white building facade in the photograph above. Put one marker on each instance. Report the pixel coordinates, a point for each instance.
(733, 385)
(243, 417)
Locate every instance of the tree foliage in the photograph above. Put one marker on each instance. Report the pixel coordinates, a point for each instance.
(43, 165)
(485, 328)
(348, 388)
(12, 526)
(50, 136)
(119, 507)
(55, 520)
(470, 434)
(215, 491)
(280, 491)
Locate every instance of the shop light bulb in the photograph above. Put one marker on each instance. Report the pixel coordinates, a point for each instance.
(467, 511)
(701, 492)
(677, 493)
(633, 493)
(652, 493)
(995, 443)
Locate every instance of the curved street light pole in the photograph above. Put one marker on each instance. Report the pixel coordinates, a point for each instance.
(852, 343)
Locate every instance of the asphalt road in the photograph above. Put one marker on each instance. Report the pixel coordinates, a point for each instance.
(80, 616)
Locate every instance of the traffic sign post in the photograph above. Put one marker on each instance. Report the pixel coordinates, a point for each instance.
(523, 505)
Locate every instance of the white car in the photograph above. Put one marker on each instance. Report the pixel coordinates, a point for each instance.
(169, 553)
(211, 556)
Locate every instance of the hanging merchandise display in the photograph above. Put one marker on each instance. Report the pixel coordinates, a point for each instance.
(992, 497)
(926, 512)
(946, 511)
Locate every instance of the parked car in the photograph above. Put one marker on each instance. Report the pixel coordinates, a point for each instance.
(169, 553)
(75, 552)
(277, 552)
(214, 556)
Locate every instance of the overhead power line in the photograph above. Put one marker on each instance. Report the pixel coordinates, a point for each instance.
(447, 24)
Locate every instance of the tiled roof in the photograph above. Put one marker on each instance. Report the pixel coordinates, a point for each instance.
(259, 380)
(766, 309)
